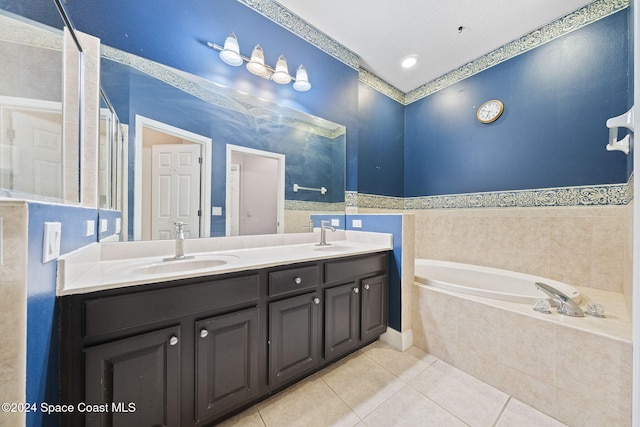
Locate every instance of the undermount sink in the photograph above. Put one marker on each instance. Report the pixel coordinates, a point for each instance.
(183, 265)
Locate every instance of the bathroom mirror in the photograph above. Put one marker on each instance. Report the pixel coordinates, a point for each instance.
(217, 158)
(39, 157)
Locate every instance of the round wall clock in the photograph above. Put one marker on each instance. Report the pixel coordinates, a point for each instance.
(490, 111)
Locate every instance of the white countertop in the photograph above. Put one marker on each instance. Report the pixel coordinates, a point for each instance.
(101, 266)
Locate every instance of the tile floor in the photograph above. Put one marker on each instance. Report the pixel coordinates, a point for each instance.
(380, 386)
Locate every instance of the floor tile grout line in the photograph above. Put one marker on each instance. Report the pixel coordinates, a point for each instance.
(502, 411)
(340, 397)
(438, 404)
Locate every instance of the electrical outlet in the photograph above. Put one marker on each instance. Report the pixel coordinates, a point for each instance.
(104, 225)
(356, 223)
(118, 225)
(216, 210)
(335, 222)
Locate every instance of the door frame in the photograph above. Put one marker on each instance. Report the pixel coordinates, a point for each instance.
(142, 122)
(280, 158)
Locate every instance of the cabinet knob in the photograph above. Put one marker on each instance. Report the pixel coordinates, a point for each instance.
(366, 287)
(203, 333)
(298, 280)
(316, 300)
(173, 340)
(356, 290)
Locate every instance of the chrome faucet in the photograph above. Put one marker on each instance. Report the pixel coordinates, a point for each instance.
(324, 226)
(179, 243)
(566, 305)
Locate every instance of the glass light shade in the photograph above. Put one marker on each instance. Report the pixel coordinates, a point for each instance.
(256, 63)
(281, 74)
(302, 81)
(230, 54)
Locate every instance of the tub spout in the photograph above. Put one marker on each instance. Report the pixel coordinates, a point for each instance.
(566, 305)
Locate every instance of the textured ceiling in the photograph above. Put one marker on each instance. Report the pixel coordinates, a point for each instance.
(382, 32)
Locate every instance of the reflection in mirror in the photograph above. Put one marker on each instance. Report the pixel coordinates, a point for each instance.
(111, 171)
(161, 105)
(32, 156)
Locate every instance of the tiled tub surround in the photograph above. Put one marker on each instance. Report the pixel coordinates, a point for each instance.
(580, 245)
(13, 306)
(578, 370)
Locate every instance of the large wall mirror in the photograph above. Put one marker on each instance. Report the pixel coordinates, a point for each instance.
(224, 162)
(39, 139)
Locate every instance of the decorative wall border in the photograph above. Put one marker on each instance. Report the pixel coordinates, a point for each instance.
(593, 195)
(219, 96)
(300, 205)
(381, 86)
(292, 22)
(15, 30)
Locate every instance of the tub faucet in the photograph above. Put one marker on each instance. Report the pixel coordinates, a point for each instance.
(566, 305)
(179, 243)
(324, 226)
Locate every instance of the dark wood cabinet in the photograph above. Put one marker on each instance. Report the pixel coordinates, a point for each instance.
(341, 319)
(294, 337)
(226, 362)
(134, 381)
(374, 307)
(192, 352)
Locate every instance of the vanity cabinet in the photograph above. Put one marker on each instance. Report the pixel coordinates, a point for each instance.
(142, 370)
(226, 362)
(192, 352)
(294, 337)
(355, 311)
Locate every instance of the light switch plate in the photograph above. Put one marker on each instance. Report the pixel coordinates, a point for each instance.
(90, 228)
(356, 223)
(51, 241)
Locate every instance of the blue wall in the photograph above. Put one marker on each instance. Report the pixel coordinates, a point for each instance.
(42, 330)
(380, 144)
(552, 133)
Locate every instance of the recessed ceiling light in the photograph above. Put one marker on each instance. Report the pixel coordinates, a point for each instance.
(409, 61)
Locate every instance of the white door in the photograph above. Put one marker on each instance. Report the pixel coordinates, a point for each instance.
(234, 195)
(175, 189)
(36, 140)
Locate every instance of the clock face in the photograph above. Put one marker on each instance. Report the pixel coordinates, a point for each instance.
(489, 111)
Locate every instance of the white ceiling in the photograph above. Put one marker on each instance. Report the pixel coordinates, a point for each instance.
(382, 32)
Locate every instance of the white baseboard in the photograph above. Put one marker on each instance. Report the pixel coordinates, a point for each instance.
(399, 340)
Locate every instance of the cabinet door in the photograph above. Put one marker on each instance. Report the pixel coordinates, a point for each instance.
(294, 334)
(144, 371)
(226, 362)
(374, 307)
(341, 319)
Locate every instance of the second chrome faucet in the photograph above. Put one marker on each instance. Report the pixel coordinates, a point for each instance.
(324, 226)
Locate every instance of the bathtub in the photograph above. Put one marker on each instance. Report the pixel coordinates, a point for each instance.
(487, 282)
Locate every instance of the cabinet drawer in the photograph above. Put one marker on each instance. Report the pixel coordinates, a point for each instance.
(341, 270)
(293, 279)
(111, 314)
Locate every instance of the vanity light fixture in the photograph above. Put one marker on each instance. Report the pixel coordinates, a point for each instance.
(230, 54)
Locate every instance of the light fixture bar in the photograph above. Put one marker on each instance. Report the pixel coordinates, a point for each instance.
(301, 81)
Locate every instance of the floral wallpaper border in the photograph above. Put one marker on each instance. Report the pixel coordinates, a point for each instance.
(595, 195)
